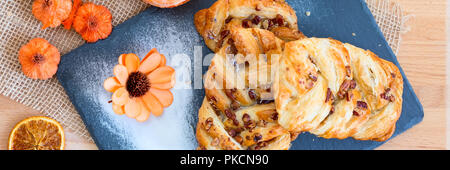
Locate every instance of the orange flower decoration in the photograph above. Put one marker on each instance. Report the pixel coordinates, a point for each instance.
(51, 12)
(141, 87)
(39, 59)
(93, 22)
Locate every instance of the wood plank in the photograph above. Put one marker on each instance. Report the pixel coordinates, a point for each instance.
(422, 55)
(12, 112)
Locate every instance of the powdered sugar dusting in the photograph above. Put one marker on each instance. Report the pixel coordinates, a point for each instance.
(173, 129)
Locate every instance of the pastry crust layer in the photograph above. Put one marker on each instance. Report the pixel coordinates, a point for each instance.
(214, 23)
(337, 90)
(238, 111)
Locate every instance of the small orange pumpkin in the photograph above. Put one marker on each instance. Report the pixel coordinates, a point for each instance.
(51, 12)
(39, 59)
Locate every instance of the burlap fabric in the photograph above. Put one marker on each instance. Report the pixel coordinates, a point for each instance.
(19, 26)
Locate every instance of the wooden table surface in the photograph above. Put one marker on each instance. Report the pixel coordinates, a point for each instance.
(422, 55)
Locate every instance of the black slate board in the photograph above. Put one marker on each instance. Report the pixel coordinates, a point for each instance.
(172, 32)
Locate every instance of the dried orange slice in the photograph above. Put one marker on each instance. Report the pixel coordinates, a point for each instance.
(93, 22)
(37, 133)
(51, 12)
(166, 3)
(39, 59)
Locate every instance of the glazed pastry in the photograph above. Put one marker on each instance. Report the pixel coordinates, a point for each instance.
(214, 24)
(238, 111)
(337, 90)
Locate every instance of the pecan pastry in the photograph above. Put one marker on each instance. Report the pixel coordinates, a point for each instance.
(337, 90)
(238, 111)
(215, 23)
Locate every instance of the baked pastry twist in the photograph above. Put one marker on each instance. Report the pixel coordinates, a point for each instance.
(238, 111)
(214, 24)
(337, 90)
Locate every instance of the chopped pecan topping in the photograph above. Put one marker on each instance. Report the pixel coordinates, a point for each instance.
(257, 137)
(248, 123)
(393, 75)
(256, 20)
(238, 139)
(345, 87)
(212, 102)
(252, 94)
(388, 90)
(230, 93)
(224, 33)
(352, 84)
(270, 24)
(312, 77)
(278, 20)
(235, 105)
(383, 96)
(349, 96)
(228, 20)
(391, 98)
(329, 96)
(246, 23)
(232, 48)
(212, 98)
(274, 116)
(257, 8)
(230, 41)
(235, 122)
(361, 105)
(208, 123)
(232, 133)
(387, 96)
(260, 145)
(230, 114)
(349, 71)
(245, 117)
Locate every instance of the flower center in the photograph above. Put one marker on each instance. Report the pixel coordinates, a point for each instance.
(47, 3)
(38, 59)
(92, 22)
(137, 84)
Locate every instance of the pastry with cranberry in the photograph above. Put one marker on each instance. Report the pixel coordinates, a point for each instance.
(215, 23)
(337, 90)
(238, 112)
